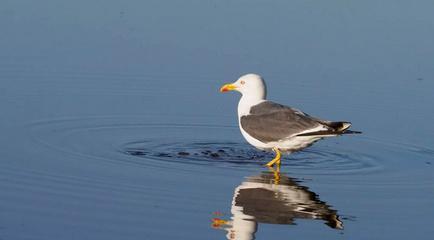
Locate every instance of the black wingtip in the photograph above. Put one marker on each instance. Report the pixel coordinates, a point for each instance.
(328, 132)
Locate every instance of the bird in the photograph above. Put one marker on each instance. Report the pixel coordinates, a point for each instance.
(271, 126)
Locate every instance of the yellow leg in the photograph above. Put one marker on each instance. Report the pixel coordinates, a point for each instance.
(275, 160)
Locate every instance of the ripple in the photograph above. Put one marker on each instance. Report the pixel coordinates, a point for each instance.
(317, 160)
(146, 142)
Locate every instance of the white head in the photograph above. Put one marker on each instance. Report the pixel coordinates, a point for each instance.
(249, 85)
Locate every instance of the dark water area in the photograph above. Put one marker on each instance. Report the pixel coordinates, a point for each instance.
(112, 126)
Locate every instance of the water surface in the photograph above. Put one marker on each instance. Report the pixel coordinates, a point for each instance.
(113, 127)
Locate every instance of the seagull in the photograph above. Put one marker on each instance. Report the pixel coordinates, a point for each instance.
(272, 126)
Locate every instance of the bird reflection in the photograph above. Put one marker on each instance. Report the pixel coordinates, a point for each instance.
(273, 198)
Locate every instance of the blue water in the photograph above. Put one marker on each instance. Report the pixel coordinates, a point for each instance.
(112, 125)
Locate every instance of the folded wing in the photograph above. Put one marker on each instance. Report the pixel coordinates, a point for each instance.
(269, 122)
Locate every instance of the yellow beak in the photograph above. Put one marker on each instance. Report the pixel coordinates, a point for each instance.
(228, 87)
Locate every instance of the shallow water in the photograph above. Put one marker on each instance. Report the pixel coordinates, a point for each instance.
(113, 126)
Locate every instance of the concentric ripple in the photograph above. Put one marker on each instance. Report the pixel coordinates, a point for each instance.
(144, 142)
(319, 160)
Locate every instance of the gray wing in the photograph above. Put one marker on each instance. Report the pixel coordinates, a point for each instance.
(269, 121)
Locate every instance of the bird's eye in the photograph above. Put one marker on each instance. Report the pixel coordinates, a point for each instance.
(242, 82)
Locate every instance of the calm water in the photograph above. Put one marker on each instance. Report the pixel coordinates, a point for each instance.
(112, 125)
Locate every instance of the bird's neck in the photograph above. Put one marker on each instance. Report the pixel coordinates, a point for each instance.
(246, 103)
